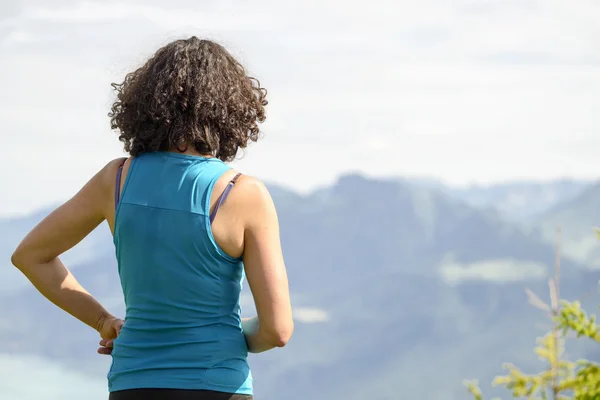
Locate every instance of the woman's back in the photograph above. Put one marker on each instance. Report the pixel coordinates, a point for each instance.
(181, 116)
(183, 324)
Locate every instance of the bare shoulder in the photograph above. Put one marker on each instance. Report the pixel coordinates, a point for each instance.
(253, 199)
(106, 176)
(252, 187)
(104, 183)
(252, 191)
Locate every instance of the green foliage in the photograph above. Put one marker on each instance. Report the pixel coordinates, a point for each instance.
(562, 380)
(473, 388)
(579, 380)
(573, 318)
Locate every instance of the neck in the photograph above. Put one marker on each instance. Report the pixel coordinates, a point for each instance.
(190, 151)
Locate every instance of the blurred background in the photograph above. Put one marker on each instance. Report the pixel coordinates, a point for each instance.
(421, 155)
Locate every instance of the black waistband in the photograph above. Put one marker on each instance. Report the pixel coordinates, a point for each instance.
(175, 394)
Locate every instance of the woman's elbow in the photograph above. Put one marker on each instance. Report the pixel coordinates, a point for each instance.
(23, 258)
(18, 259)
(281, 336)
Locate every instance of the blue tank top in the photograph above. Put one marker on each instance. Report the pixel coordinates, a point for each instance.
(182, 291)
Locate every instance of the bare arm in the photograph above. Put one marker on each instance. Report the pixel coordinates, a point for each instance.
(265, 271)
(37, 255)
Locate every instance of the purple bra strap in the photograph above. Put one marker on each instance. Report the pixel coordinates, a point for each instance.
(223, 196)
(118, 184)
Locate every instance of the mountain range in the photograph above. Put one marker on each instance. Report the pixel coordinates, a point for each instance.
(402, 288)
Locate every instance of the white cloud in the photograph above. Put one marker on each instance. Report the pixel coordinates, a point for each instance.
(31, 378)
(310, 315)
(452, 89)
(19, 37)
(500, 271)
(168, 18)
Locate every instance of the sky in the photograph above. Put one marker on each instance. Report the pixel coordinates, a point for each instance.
(467, 91)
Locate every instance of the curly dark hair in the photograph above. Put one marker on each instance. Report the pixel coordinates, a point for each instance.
(190, 92)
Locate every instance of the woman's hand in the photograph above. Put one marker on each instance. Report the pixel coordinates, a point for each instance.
(109, 329)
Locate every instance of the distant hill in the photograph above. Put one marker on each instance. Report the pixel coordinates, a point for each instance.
(576, 218)
(516, 201)
(390, 282)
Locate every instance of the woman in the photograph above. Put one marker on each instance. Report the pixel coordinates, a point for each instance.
(186, 227)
